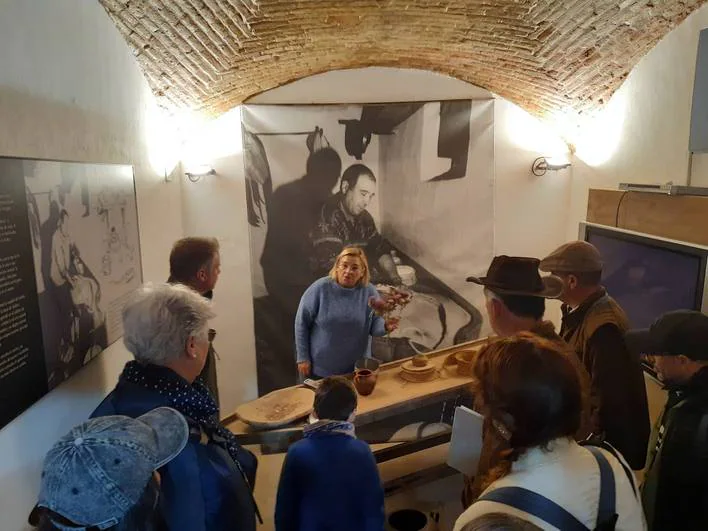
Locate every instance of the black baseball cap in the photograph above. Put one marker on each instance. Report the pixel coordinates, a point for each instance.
(681, 332)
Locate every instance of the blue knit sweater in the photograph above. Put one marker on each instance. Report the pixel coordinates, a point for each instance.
(329, 481)
(334, 325)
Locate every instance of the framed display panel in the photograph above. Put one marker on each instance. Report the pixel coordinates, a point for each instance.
(70, 255)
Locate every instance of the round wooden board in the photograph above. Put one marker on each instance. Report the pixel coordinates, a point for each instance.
(278, 408)
(418, 377)
(409, 367)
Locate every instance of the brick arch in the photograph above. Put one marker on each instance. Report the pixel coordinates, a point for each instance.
(546, 56)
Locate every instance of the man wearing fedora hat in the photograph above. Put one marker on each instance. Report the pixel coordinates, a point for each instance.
(515, 295)
(594, 325)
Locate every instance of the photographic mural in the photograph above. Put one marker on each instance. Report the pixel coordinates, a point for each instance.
(411, 183)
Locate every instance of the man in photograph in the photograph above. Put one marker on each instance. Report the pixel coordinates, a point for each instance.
(345, 221)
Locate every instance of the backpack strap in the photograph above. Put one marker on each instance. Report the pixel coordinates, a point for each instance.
(550, 512)
(607, 510)
(536, 505)
(607, 446)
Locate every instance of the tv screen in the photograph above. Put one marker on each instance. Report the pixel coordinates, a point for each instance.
(647, 276)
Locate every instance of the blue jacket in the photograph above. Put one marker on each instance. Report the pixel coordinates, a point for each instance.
(202, 489)
(330, 482)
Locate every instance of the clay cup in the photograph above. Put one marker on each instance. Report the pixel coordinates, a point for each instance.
(365, 381)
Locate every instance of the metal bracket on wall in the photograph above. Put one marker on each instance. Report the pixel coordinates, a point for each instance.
(666, 189)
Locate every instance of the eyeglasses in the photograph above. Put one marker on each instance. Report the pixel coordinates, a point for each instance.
(348, 267)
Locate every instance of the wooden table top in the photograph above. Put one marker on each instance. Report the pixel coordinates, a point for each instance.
(394, 395)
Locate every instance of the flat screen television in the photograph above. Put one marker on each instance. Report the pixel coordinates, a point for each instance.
(648, 275)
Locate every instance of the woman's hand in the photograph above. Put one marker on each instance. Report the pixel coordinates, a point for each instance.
(391, 324)
(304, 368)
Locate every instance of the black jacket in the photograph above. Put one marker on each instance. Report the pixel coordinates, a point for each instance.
(675, 489)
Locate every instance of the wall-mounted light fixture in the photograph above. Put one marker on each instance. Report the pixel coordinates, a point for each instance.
(197, 172)
(541, 165)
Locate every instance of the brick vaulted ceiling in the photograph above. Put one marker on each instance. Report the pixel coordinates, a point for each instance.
(546, 56)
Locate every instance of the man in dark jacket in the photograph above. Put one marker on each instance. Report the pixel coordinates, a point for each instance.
(675, 489)
(196, 263)
(594, 325)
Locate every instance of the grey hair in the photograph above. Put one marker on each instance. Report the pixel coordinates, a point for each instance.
(490, 294)
(160, 318)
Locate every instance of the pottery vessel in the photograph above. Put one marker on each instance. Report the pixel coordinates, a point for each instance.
(465, 362)
(420, 360)
(365, 381)
(367, 363)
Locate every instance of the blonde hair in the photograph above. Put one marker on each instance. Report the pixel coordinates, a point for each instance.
(352, 251)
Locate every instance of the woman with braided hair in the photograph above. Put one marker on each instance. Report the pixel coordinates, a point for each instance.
(532, 394)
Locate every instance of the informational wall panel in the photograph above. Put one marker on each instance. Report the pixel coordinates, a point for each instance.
(70, 255)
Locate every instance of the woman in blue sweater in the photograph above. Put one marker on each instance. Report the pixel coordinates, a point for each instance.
(334, 322)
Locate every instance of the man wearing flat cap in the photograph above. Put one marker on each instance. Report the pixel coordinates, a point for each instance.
(675, 489)
(594, 325)
(515, 296)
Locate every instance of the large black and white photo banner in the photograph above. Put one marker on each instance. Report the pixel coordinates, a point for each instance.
(411, 183)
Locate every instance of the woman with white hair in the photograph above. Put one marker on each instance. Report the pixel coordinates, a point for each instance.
(209, 486)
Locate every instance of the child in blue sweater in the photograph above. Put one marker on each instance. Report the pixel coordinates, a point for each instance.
(330, 479)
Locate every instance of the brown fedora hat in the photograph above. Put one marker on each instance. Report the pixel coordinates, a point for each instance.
(515, 275)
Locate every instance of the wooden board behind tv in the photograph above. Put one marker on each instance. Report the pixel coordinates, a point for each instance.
(683, 218)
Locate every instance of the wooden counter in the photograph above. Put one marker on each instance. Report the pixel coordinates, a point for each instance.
(392, 396)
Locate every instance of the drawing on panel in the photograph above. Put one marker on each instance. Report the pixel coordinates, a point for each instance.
(83, 224)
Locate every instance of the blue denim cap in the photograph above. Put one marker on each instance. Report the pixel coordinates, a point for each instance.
(97, 472)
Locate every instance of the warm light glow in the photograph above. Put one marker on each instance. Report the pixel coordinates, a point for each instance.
(598, 139)
(188, 137)
(531, 134)
(207, 141)
(162, 140)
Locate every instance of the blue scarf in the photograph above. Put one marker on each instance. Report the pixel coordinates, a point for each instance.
(328, 427)
(198, 406)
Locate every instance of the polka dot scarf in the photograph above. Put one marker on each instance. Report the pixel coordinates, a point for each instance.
(197, 405)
